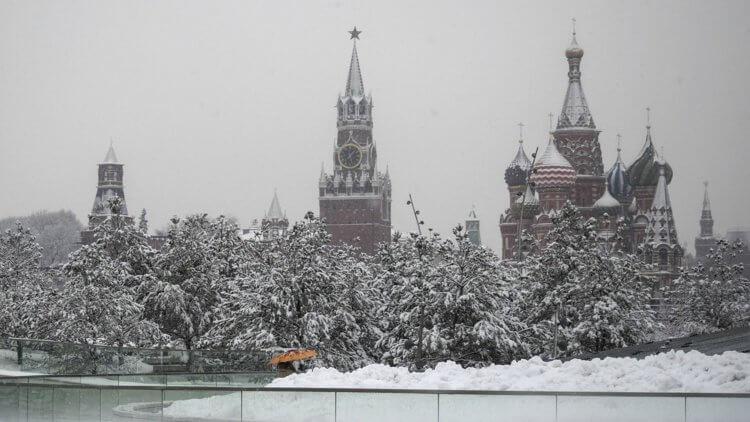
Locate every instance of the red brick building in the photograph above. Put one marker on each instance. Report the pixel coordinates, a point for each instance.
(355, 200)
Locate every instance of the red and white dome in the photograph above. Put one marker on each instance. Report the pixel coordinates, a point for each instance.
(553, 170)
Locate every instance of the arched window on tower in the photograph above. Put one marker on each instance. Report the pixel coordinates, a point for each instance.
(363, 108)
(663, 257)
(350, 108)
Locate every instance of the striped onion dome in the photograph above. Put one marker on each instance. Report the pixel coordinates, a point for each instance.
(553, 170)
(617, 179)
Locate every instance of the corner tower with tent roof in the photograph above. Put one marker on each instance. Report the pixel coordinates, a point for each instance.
(706, 239)
(274, 224)
(109, 185)
(355, 200)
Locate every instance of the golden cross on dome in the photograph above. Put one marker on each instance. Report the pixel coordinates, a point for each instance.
(520, 130)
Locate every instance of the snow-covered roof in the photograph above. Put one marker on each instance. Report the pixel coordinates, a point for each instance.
(521, 160)
(552, 157)
(606, 200)
(661, 226)
(529, 198)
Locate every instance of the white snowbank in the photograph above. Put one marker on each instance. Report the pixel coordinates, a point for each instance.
(9, 373)
(666, 372)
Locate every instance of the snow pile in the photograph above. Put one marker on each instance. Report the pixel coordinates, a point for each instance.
(666, 372)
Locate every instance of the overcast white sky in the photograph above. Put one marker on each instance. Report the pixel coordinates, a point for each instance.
(212, 105)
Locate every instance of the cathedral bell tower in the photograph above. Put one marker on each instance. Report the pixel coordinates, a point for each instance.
(355, 201)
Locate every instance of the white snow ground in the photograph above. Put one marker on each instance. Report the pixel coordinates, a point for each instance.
(668, 372)
(10, 373)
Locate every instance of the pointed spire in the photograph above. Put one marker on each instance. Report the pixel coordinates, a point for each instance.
(111, 157)
(661, 226)
(706, 202)
(707, 220)
(473, 213)
(274, 211)
(354, 85)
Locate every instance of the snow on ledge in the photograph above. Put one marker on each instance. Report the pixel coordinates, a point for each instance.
(691, 372)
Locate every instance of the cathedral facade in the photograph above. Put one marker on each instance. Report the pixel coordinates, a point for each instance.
(355, 199)
(571, 169)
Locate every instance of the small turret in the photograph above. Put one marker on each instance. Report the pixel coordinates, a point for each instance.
(472, 227)
(274, 224)
(515, 174)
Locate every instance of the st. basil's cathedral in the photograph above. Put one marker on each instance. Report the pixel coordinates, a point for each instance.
(571, 169)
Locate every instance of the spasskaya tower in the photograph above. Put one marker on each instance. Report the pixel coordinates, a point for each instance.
(355, 201)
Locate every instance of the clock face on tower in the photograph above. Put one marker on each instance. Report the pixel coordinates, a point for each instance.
(350, 156)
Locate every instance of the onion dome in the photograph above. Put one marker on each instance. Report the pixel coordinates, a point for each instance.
(607, 201)
(574, 51)
(617, 179)
(515, 174)
(644, 171)
(553, 170)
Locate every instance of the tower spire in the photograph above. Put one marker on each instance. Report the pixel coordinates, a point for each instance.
(706, 201)
(274, 211)
(354, 85)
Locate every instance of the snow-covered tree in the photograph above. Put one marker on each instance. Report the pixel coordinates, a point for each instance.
(20, 255)
(24, 286)
(143, 222)
(585, 298)
(98, 303)
(445, 299)
(715, 295)
(192, 271)
(301, 292)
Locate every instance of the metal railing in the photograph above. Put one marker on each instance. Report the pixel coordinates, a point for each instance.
(51, 357)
